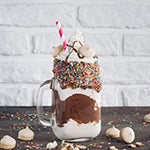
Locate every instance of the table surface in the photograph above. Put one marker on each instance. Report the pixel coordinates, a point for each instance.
(12, 119)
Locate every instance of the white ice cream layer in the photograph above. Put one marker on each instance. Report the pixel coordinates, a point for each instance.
(65, 93)
(72, 130)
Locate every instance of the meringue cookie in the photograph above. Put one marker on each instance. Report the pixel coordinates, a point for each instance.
(51, 145)
(7, 142)
(86, 51)
(113, 132)
(57, 50)
(26, 134)
(147, 118)
(127, 134)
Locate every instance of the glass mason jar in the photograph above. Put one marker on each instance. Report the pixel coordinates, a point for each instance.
(75, 113)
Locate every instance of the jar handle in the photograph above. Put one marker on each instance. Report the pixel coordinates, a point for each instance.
(44, 86)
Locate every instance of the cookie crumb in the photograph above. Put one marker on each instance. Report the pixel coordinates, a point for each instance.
(81, 146)
(132, 145)
(51, 145)
(113, 148)
(70, 146)
(139, 144)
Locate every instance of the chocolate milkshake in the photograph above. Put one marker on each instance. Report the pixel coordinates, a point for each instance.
(76, 88)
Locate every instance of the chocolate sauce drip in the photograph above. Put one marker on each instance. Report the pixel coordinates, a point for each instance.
(78, 107)
(68, 56)
(81, 57)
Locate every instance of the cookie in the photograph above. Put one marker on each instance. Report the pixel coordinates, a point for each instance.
(127, 134)
(57, 50)
(138, 144)
(86, 51)
(147, 118)
(132, 145)
(51, 145)
(7, 142)
(26, 134)
(113, 132)
(113, 148)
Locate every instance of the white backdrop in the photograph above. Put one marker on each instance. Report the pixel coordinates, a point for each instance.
(119, 31)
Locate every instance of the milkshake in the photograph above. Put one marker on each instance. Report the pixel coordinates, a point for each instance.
(76, 91)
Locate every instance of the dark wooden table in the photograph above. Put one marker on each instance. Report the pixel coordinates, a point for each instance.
(12, 119)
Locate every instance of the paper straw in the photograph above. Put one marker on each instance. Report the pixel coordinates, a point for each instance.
(61, 34)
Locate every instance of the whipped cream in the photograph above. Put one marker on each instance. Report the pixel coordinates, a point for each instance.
(74, 57)
(74, 44)
(77, 36)
(72, 130)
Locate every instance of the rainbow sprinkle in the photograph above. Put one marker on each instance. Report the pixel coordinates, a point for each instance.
(77, 74)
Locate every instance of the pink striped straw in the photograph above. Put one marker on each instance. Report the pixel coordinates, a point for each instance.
(61, 33)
